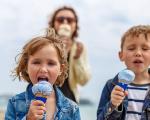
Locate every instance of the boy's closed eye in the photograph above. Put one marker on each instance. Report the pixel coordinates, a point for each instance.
(145, 48)
(131, 48)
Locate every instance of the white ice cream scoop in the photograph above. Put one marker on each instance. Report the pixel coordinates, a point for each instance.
(64, 30)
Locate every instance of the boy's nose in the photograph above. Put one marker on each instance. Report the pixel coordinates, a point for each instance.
(138, 53)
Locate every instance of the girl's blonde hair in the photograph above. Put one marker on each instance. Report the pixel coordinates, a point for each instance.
(32, 47)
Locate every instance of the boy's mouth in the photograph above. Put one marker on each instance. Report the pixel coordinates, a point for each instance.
(138, 61)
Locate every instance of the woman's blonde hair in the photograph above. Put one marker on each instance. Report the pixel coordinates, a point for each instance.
(35, 44)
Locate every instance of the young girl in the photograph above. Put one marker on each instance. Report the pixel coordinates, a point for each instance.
(42, 57)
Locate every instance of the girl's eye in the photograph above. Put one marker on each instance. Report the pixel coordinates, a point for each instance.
(51, 63)
(36, 62)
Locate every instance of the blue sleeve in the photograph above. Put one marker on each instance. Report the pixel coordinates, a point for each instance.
(103, 111)
(10, 112)
(77, 114)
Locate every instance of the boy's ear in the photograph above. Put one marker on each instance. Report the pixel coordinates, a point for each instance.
(120, 54)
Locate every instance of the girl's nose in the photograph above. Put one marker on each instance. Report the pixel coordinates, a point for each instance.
(43, 69)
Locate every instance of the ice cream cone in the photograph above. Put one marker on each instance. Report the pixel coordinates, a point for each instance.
(41, 97)
(42, 90)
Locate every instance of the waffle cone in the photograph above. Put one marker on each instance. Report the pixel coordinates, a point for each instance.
(40, 95)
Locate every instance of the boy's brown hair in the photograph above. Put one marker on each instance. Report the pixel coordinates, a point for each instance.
(135, 31)
(32, 47)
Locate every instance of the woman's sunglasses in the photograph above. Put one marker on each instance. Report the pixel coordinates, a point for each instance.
(62, 18)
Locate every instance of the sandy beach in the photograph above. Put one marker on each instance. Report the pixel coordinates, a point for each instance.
(1, 115)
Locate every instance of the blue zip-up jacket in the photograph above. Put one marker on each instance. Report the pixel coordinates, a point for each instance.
(105, 111)
(18, 106)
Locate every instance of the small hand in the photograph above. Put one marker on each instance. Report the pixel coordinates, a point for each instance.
(78, 50)
(36, 110)
(117, 96)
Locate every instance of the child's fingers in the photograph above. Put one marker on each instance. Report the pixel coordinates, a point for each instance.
(37, 103)
(116, 100)
(39, 112)
(36, 110)
(118, 91)
(117, 95)
(118, 88)
(40, 108)
(122, 91)
(39, 117)
(126, 92)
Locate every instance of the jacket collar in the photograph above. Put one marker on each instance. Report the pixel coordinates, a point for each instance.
(61, 101)
(29, 95)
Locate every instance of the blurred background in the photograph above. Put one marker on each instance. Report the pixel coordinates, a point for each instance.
(102, 23)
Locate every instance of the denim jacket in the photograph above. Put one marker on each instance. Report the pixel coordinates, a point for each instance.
(105, 110)
(18, 106)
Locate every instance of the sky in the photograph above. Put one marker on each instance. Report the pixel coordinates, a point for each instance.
(102, 23)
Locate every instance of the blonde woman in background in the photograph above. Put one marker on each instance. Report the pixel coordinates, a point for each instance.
(65, 21)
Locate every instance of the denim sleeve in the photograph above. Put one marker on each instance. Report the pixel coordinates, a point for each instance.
(10, 112)
(103, 111)
(77, 114)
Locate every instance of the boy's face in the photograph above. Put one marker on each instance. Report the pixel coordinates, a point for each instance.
(136, 53)
(44, 64)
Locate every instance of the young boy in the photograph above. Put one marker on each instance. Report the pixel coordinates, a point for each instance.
(134, 103)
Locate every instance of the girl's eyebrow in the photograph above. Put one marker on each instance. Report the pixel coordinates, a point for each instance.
(35, 59)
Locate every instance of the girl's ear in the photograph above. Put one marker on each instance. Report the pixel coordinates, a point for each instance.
(62, 66)
(120, 54)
